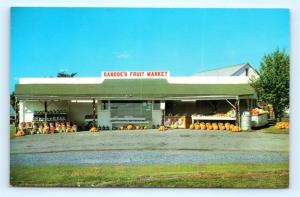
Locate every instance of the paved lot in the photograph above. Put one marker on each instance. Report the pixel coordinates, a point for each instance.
(149, 147)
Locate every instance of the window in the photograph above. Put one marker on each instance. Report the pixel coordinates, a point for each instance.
(156, 105)
(135, 109)
(104, 105)
(247, 72)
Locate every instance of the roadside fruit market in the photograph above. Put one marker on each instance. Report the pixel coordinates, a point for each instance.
(129, 101)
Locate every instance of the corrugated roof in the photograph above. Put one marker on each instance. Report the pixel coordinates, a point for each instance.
(128, 88)
(222, 71)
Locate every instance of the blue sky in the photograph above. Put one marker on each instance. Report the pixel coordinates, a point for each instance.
(45, 41)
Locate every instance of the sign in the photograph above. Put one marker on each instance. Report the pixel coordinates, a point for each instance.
(135, 74)
(162, 105)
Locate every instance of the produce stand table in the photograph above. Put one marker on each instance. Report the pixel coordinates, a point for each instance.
(212, 118)
(51, 116)
(259, 120)
(129, 120)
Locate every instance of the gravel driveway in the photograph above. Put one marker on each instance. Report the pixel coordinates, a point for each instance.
(149, 147)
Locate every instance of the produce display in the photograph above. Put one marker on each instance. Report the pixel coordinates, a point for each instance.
(162, 128)
(257, 111)
(259, 117)
(228, 116)
(130, 127)
(230, 113)
(29, 128)
(282, 125)
(93, 129)
(20, 133)
(52, 115)
(177, 122)
(215, 126)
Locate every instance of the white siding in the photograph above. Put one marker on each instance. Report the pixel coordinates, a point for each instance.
(242, 72)
(103, 115)
(209, 80)
(60, 80)
(156, 117)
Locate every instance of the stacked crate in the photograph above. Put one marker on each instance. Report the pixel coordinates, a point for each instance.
(271, 112)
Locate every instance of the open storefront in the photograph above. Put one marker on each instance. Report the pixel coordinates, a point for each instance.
(111, 103)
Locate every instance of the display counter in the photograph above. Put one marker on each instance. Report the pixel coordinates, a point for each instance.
(259, 120)
(214, 118)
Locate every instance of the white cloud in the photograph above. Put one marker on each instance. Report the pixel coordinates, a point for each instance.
(122, 55)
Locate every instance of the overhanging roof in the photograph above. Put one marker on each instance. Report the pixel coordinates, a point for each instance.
(131, 88)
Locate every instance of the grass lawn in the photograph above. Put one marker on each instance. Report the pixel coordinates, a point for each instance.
(190, 175)
(12, 131)
(273, 130)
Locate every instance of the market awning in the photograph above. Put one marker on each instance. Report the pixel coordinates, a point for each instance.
(132, 89)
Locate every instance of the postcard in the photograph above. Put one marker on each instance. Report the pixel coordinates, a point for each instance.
(149, 97)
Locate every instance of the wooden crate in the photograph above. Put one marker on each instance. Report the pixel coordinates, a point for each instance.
(182, 122)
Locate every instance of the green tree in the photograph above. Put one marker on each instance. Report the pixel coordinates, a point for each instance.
(12, 99)
(63, 74)
(272, 86)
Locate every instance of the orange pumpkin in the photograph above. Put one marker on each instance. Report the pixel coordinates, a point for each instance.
(93, 129)
(210, 127)
(20, 133)
(215, 127)
(162, 128)
(207, 124)
(236, 129)
(192, 126)
(221, 127)
(282, 125)
(202, 127)
(129, 127)
(227, 126)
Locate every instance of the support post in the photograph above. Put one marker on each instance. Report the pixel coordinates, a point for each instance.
(17, 115)
(237, 111)
(248, 104)
(45, 109)
(163, 117)
(163, 107)
(94, 112)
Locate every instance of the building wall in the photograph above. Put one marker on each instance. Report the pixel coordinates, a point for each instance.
(242, 72)
(156, 117)
(103, 115)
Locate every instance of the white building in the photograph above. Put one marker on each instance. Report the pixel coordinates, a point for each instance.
(244, 69)
(135, 97)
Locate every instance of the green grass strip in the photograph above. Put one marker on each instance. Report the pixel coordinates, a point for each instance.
(194, 175)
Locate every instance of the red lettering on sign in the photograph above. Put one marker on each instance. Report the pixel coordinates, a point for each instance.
(122, 74)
